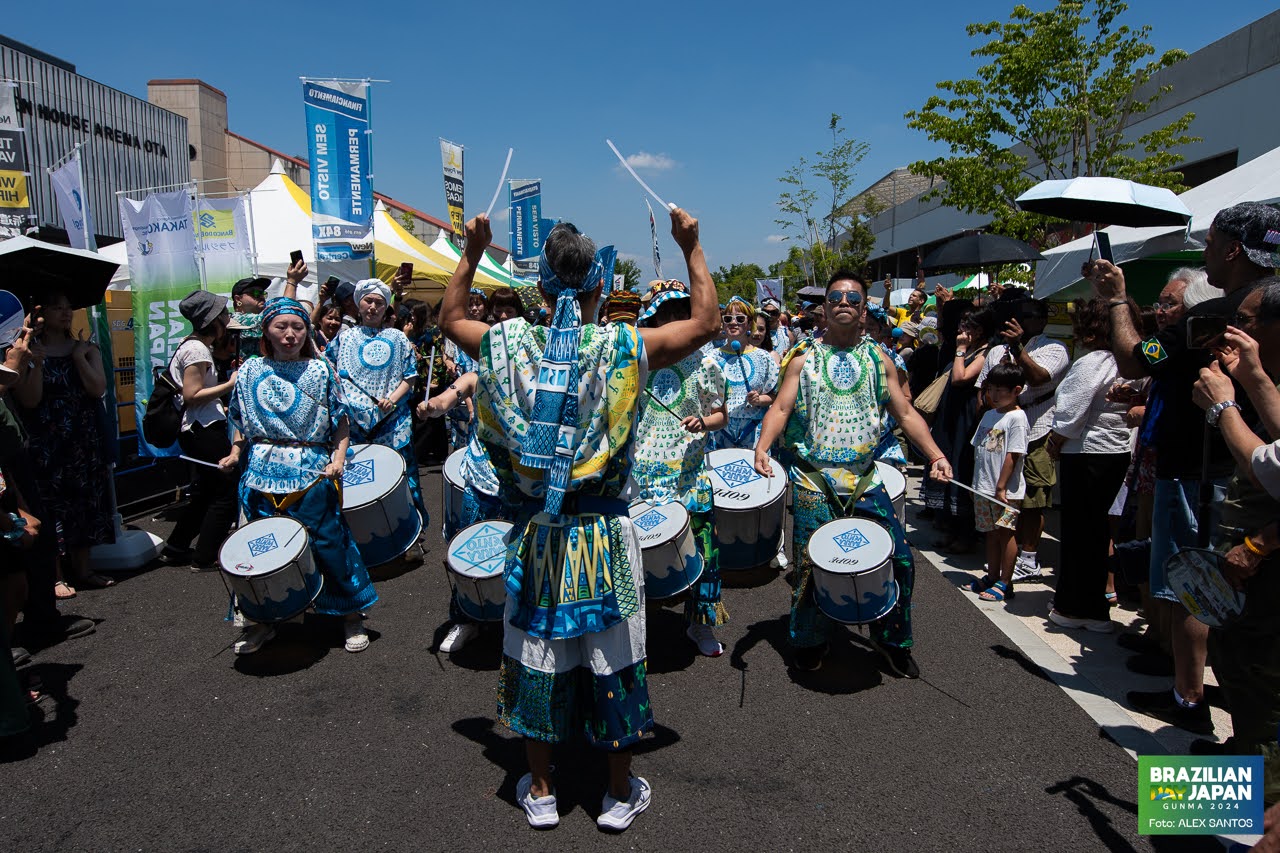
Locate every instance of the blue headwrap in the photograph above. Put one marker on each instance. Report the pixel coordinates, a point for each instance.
(284, 305)
(549, 445)
(665, 296)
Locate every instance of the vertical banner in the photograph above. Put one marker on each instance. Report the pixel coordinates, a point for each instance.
(451, 157)
(68, 187)
(768, 288)
(222, 242)
(653, 234)
(161, 247)
(341, 177)
(526, 226)
(15, 206)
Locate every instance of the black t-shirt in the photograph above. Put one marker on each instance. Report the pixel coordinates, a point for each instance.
(1179, 427)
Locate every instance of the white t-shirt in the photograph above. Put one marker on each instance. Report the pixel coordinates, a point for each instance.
(1082, 413)
(210, 411)
(1054, 358)
(999, 434)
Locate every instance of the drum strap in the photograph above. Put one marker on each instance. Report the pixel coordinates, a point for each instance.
(282, 502)
(844, 505)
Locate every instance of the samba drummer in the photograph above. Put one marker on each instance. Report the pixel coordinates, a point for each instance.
(377, 367)
(688, 402)
(289, 410)
(830, 412)
(559, 409)
(751, 375)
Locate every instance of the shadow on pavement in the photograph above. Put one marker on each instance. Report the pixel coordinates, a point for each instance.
(46, 727)
(669, 650)
(295, 648)
(749, 578)
(1016, 655)
(848, 667)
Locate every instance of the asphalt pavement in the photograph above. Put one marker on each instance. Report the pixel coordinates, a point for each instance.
(155, 737)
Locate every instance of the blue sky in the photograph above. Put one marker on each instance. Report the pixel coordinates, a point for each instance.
(722, 97)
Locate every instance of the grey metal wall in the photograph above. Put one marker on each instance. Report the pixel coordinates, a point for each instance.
(128, 143)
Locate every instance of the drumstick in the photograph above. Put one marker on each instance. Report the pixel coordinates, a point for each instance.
(501, 180)
(431, 366)
(663, 405)
(201, 462)
(983, 495)
(639, 180)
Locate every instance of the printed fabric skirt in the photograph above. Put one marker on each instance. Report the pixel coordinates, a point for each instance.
(704, 606)
(596, 683)
(347, 587)
(809, 625)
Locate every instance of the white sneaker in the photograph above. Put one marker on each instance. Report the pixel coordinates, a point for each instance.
(1025, 570)
(780, 560)
(704, 637)
(459, 635)
(618, 814)
(1101, 626)
(254, 637)
(541, 811)
(357, 637)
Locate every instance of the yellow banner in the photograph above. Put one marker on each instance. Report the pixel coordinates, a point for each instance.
(13, 190)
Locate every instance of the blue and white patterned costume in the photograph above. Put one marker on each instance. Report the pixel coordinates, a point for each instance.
(752, 370)
(288, 411)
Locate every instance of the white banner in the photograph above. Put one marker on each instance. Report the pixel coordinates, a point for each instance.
(222, 242)
(768, 288)
(68, 186)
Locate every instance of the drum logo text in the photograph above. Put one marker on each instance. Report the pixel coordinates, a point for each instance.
(263, 544)
(737, 472)
(484, 549)
(358, 473)
(851, 540)
(731, 495)
(649, 520)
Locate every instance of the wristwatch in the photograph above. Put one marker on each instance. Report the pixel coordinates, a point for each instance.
(1215, 411)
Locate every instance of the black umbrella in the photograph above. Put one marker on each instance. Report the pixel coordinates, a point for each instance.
(813, 291)
(31, 268)
(980, 250)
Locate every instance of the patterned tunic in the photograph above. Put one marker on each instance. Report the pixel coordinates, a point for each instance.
(375, 363)
(839, 414)
(670, 460)
(753, 370)
(287, 410)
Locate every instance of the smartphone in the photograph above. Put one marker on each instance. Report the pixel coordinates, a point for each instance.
(295, 257)
(1203, 331)
(1103, 240)
(406, 269)
(332, 282)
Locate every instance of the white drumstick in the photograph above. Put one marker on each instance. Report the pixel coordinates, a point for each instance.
(201, 462)
(501, 181)
(639, 180)
(983, 495)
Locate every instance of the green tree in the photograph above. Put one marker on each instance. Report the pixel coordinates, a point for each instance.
(409, 221)
(738, 280)
(1051, 102)
(630, 269)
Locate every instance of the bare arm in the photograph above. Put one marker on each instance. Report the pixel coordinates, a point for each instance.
(1108, 282)
(193, 390)
(293, 276)
(1239, 358)
(1006, 474)
(668, 344)
(962, 373)
(467, 334)
(775, 420)
(88, 361)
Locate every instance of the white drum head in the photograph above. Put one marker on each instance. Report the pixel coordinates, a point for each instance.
(453, 468)
(480, 550)
(737, 484)
(894, 483)
(371, 473)
(658, 524)
(261, 547)
(850, 545)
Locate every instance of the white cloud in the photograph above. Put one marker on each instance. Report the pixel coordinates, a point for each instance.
(652, 162)
(627, 256)
(501, 214)
(775, 238)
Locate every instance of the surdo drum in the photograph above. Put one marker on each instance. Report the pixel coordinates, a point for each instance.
(475, 560)
(267, 564)
(671, 560)
(852, 575)
(749, 508)
(377, 505)
(455, 490)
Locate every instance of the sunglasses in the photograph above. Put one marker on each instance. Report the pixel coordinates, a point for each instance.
(850, 296)
(734, 318)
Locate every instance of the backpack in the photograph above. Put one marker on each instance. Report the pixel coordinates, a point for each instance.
(162, 420)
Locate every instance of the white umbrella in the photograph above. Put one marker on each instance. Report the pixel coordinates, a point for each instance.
(1111, 201)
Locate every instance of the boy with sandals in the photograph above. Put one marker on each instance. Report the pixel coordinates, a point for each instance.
(1000, 449)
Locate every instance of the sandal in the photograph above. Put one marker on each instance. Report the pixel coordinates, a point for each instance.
(981, 585)
(93, 580)
(996, 592)
(63, 590)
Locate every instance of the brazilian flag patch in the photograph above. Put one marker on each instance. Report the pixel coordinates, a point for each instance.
(1154, 351)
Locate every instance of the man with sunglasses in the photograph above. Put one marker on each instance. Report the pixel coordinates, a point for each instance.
(835, 396)
(248, 297)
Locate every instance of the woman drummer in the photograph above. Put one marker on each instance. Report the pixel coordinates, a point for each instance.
(288, 409)
(751, 375)
(686, 403)
(377, 367)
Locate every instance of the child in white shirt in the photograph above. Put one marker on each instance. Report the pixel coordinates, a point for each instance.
(1000, 444)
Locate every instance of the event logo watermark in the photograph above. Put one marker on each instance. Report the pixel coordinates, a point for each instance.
(1199, 795)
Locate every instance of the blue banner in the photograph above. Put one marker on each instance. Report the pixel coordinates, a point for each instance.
(526, 225)
(341, 171)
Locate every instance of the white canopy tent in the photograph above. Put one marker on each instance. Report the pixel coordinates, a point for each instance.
(1258, 180)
